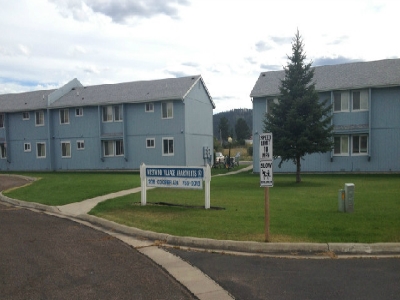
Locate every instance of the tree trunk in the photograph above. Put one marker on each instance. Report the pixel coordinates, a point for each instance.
(298, 168)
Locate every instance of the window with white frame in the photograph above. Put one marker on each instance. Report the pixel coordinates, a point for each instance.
(64, 116)
(341, 145)
(79, 112)
(168, 146)
(25, 115)
(113, 148)
(108, 147)
(27, 147)
(1, 120)
(107, 114)
(360, 100)
(80, 145)
(3, 151)
(40, 150)
(341, 101)
(360, 144)
(118, 113)
(167, 110)
(65, 149)
(39, 118)
(149, 107)
(150, 143)
(119, 147)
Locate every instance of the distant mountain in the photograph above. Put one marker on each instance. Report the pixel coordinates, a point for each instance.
(232, 116)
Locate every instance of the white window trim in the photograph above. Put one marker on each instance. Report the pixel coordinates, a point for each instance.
(352, 101)
(79, 109)
(102, 114)
(104, 148)
(115, 148)
(27, 118)
(37, 154)
(27, 145)
(149, 110)
(154, 143)
(348, 102)
(172, 110)
(121, 113)
(352, 145)
(70, 150)
(3, 116)
(162, 148)
(40, 112)
(63, 111)
(78, 142)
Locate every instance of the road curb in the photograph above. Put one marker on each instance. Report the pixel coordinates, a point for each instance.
(224, 245)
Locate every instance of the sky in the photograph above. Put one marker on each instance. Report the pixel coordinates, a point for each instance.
(46, 43)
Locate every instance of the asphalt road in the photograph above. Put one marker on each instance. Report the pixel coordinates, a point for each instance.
(254, 277)
(46, 257)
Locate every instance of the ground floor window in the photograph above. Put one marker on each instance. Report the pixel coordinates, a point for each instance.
(27, 147)
(40, 150)
(3, 151)
(341, 145)
(150, 143)
(80, 145)
(168, 146)
(113, 148)
(360, 144)
(65, 149)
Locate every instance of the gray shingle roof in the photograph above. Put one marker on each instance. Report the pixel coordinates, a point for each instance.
(129, 92)
(381, 73)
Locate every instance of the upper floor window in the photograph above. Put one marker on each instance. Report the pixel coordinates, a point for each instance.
(64, 116)
(341, 101)
(79, 112)
(112, 113)
(39, 118)
(25, 115)
(360, 144)
(149, 107)
(167, 110)
(1, 120)
(341, 145)
(360, 100)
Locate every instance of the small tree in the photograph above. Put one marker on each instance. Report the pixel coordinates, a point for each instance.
(299, 122)
(242, 130)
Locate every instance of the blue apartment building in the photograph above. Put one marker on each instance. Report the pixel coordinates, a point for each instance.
(108, 127)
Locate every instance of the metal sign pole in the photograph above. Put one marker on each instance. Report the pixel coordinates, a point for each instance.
(266, 198)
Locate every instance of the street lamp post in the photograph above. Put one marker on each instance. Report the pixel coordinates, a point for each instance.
(229, 153)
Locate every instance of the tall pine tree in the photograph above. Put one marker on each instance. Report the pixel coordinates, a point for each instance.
(299, 122)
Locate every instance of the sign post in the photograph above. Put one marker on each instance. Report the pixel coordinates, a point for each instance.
(266, 175)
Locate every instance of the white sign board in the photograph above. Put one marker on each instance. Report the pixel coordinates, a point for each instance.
(266, 159)
(175, 177)
(266, 146)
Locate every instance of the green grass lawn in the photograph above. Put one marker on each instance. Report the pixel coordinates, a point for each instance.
(304, 212)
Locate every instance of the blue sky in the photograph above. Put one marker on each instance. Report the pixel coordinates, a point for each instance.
(46, 43)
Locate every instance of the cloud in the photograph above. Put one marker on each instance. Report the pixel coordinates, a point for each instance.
(338, 40)
(190, 64)
(323, 61)
(271, 67)
(177, 73)
(281, 40)
(119, 10)
(261, 46)
(24, 50)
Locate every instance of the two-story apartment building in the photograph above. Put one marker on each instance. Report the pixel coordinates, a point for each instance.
(109, 126)
(365, 98)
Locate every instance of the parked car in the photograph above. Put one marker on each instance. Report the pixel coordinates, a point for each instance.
(219, 158)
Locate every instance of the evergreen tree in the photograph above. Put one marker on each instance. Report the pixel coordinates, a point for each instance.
(223, 128)
(299, 122)
(242, 130)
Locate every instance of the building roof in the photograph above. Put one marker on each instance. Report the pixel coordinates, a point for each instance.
(129, 92)
(381, 73)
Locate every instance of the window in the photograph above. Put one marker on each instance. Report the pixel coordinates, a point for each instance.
(65, 149)
(119, 147)
(1, 120)
(341, 145)
(25, 115)
(168, 146)
(360, 100)
(360, 144)
(150, 143)
(27, 147)
(108, 148)
(39, 118)
(80, 145)
(40, 150)
(107, 114)
(3, 151)
(341, 101)
(118, 113)
(166, 110)
(149, 107)
(79, 112)
(64, 116)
